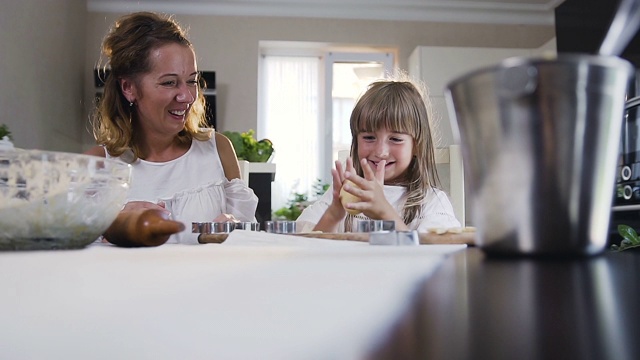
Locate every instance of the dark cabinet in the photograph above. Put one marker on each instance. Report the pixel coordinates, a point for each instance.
(260, 176)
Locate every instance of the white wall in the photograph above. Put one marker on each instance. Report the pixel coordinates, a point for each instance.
(49, 48)
(230, 46)
(42, 61)
(438, 65)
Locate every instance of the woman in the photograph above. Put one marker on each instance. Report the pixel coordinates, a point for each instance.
(151, 115)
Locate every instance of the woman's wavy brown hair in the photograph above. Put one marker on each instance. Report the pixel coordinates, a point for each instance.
(399, 106)
(127, 47)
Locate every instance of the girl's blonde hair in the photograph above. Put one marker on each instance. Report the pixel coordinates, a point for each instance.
(127, 47)
(399, 106)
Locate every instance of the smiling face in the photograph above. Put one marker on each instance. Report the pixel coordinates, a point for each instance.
(393, 147)
(390, 122)
(164, 95)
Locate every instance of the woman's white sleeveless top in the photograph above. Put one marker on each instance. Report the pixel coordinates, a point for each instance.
(193, 187)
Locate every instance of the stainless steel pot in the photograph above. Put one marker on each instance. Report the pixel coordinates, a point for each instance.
(539, 140)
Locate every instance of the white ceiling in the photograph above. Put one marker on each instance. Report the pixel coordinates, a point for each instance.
(530, 12)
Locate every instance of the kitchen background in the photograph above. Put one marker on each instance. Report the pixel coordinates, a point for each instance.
(50, 48)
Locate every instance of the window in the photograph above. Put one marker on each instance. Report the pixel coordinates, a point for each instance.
(347, 77)
(305, 102)
(290, 118)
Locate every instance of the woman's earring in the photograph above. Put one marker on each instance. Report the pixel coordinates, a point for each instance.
(131, 111)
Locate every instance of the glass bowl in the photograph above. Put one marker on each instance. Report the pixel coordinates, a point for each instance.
(57, 200)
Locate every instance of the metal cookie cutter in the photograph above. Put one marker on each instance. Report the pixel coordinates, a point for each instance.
(247, 225)
(401, 238)
(280, 226)
(382, 232)
(375, 225)
(223, 227)
(212, 227)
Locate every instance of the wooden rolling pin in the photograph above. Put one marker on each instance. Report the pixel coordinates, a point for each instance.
(143, 227)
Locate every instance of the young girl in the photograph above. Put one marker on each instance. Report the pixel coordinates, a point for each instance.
(393, 171)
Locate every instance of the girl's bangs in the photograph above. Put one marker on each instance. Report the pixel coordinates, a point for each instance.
(382, 115)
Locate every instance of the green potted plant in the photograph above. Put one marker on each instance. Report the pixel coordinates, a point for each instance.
(5, 138)
(4, 131)
(299, 202)
(248, 148)
(630, 238)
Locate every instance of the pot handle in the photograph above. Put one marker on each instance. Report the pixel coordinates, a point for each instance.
(518, 81)
(623, 28)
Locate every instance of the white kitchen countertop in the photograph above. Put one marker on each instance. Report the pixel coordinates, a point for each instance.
(255, 297)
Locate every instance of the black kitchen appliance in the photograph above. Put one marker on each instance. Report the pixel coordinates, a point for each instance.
(627, 194)
(626, 202)
(209, 86)
(580, 28)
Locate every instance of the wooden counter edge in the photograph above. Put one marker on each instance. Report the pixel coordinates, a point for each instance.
(467, 238)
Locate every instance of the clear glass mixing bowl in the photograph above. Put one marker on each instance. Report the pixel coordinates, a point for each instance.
(57, 200)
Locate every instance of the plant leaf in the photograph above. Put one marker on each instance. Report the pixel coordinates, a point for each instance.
(627, 232)
(4, 131)
(237, 142)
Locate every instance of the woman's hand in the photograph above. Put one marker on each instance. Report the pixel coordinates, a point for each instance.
(145, 205)
(225, 218)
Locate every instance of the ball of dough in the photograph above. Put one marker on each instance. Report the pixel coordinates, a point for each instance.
(348, 198)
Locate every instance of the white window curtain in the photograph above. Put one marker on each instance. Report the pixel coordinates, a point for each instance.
(290, 118)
